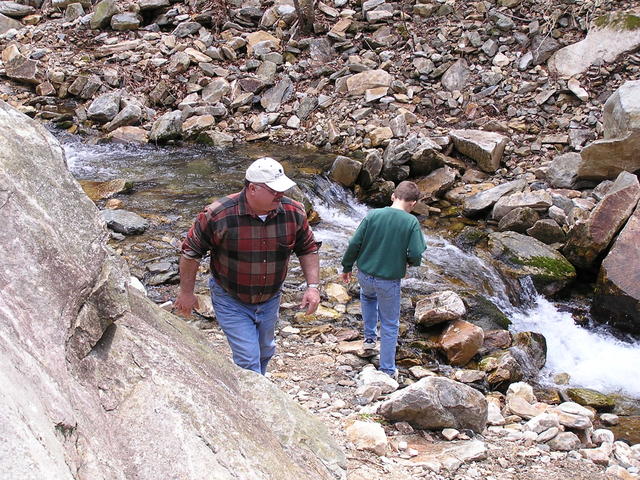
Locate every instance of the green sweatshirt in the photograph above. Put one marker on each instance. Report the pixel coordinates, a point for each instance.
(385, 242)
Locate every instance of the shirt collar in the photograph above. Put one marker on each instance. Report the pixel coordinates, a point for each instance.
(245, 209)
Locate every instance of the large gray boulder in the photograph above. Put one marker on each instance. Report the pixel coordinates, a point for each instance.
(609, 37)
(588, 239)
(617, 294)
(98, 382)
(437, 403)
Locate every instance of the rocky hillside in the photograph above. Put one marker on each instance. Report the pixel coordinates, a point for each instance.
(240, 71)
(498, 107)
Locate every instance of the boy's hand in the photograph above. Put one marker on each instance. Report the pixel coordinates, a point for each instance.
(346, 277)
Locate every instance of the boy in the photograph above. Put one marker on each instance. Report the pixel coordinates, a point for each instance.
(385, 242)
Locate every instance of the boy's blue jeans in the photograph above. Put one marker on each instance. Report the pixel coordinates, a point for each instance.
(380, 301)
(250, 328)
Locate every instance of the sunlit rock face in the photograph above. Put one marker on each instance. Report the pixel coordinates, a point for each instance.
(99, 383)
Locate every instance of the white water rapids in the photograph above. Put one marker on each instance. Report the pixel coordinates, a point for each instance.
(593, 358)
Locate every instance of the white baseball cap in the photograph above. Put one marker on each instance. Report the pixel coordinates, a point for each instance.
(266, 170)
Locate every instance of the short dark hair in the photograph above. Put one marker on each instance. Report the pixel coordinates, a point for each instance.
(407, 191)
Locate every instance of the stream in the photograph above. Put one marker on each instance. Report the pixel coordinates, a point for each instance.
(174, 184)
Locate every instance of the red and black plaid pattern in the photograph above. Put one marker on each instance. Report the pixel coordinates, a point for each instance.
(249, 257)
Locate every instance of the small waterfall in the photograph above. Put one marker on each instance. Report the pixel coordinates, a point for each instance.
(593, 357)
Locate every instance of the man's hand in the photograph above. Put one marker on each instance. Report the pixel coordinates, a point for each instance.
(310, 300)
(346, 277)
(185, 303)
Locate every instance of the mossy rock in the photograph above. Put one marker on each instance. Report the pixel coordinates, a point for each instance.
(484, 313)
(618, 21)
(520, 255)
(591, 398)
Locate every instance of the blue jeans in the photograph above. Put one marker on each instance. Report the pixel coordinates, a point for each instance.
(250, 328)
(380, 301)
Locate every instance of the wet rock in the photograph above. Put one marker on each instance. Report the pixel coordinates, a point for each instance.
(530, 348)
(461, 341)
(591, 398)
(520, 256)
(486, 148)
(100, 190)
(617, 295)
(439, 307)
(125, 222)
(588, 239)
(621, 112)
(436, 403)
(371, 168)
(345, 170)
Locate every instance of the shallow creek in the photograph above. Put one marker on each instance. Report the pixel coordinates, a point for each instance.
(171, 184)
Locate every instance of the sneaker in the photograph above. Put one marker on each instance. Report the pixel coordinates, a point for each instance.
(394, 375)
(369, 344)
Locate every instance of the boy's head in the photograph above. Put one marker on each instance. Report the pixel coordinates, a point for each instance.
(407, 191)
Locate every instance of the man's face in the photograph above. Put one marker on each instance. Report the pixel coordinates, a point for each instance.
(262, 198)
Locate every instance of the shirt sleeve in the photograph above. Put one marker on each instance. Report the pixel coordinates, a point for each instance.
(353, 250)
(416, 246)
(305, 241)
(197, 242)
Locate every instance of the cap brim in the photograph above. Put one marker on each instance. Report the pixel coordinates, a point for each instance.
(282, 184)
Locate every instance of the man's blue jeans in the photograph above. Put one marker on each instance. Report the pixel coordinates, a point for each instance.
(250, 328)
(380, 301)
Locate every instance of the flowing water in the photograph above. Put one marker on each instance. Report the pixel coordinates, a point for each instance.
(176, 183)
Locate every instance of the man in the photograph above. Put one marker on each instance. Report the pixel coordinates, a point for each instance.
(384, 243)
(250, 235)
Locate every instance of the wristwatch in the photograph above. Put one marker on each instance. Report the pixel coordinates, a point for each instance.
(313, 285)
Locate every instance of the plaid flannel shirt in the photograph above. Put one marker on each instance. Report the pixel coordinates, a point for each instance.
(249, 257)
